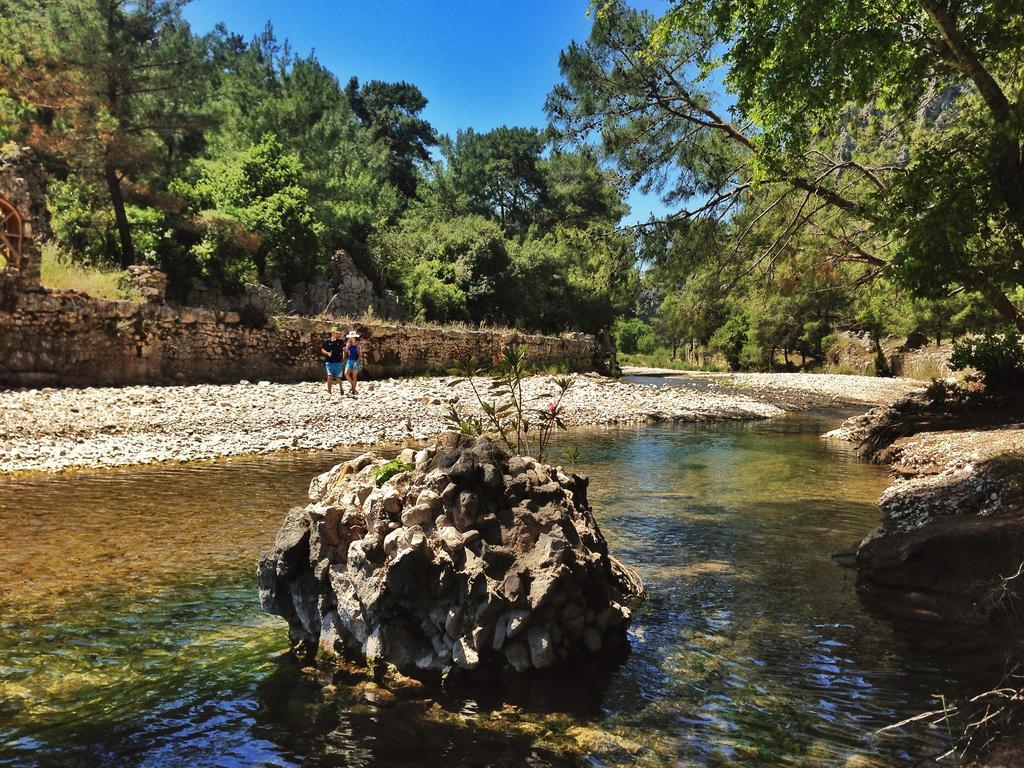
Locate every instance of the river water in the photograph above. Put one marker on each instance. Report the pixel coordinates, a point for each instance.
(130, 632)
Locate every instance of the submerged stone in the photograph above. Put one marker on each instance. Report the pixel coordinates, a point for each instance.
(483, 573)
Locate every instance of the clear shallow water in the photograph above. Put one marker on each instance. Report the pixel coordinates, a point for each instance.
(130, 633)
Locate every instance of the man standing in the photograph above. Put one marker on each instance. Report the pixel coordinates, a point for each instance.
(333, 350)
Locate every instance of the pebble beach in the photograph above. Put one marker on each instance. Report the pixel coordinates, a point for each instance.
(53, 430)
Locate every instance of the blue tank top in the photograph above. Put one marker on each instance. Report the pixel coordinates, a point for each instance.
(353, 352)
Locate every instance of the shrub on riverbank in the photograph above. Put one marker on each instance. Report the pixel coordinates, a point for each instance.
(998, 359)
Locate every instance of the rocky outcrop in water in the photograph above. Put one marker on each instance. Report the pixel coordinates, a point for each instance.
(467, 559)
(950, 545)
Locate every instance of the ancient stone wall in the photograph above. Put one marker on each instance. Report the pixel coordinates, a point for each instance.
(856, 353)
(23, 187)
(69, 339)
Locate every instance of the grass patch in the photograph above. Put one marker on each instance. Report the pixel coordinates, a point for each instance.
(925, 370)
(59, 273)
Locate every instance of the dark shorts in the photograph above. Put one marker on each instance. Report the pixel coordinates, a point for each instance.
(334, 370)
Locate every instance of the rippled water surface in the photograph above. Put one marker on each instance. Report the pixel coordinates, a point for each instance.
(130, 632)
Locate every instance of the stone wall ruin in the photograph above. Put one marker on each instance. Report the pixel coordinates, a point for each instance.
(64, 338)
(24, 219)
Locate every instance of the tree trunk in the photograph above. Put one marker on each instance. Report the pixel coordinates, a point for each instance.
(1008, 173)
(1006, 308)
(967, 60)
(124, 232)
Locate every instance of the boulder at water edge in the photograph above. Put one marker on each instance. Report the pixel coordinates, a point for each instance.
(472, 560)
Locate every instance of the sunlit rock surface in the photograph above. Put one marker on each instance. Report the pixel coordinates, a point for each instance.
(472, 561)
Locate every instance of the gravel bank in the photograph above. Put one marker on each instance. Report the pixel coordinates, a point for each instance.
(58, 429)
(951, 467)
(798, 391)
(952, 473)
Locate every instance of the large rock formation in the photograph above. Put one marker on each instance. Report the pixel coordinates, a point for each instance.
(471, 560)
(344, 291)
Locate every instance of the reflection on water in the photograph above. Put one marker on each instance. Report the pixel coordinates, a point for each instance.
(130, 632)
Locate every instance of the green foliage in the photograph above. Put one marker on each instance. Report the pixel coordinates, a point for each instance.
(731, 338)
(125, 104)
(634, 335)
(856, 142)
(265, 89)
(13, 115)
(998, 358)
(468, 425)
(497, 174)
(226, 253)
(389, 469)
(940, 392)
(881, 366)
(507, 413)
(662, 357)
(447, 270)
(571, 455)
(81, 224)
(390, 111)
(239, 162)
(571, 278)
(432, 297)
(260, 188)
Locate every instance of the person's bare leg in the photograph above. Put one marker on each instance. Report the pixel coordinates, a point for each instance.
(330, 380)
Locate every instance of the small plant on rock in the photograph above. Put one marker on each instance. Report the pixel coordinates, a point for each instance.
(507, 413)
(465, 424)
(386, 471)
(571, 455)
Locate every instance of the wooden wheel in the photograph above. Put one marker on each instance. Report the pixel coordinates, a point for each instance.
(12, 234)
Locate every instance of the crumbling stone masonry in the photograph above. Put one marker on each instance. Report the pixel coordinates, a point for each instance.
(24, 219)
(70, 339)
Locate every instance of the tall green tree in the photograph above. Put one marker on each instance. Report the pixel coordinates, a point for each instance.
(391, 112)
(260, 188)
(891, 128)
(498, 174)
(115, 88)
(264, 88)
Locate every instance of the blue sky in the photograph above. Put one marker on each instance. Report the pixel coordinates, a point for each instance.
(481, 63)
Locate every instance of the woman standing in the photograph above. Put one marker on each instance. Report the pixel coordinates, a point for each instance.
(353, 360)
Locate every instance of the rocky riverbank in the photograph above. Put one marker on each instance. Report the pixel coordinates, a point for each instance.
(58, 429)
(952, 528)
(950, 546)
